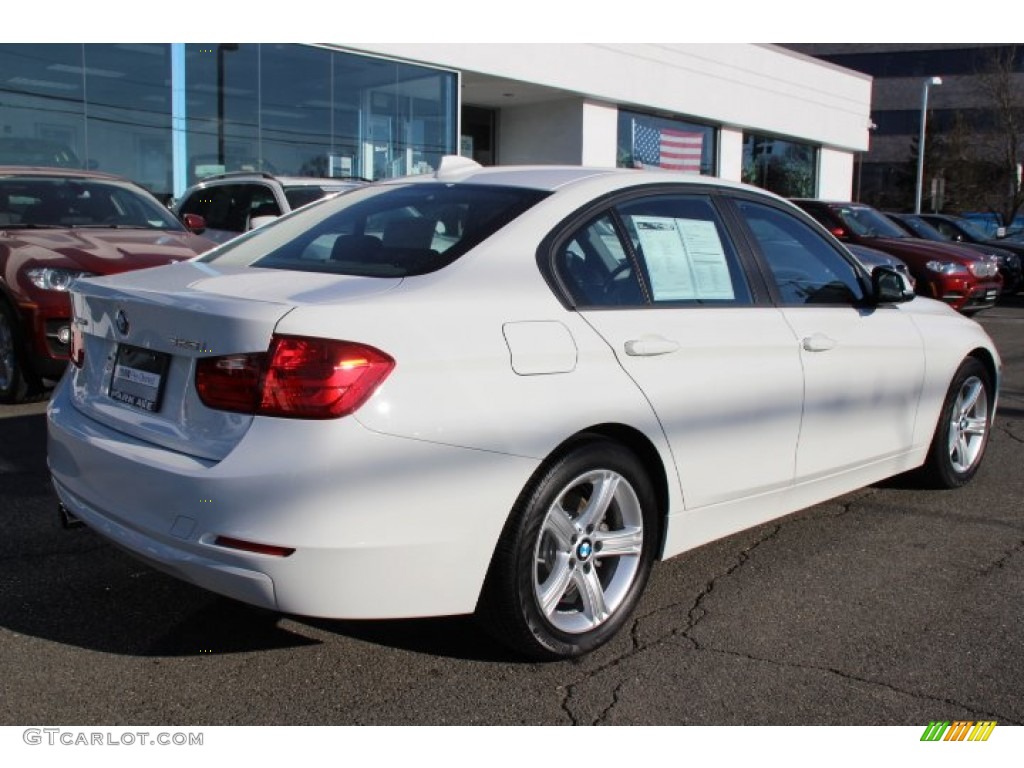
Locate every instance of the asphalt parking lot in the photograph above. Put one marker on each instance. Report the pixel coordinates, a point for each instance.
(891, 605)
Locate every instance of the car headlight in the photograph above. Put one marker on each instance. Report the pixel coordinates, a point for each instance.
(54, 278)
(947, 267)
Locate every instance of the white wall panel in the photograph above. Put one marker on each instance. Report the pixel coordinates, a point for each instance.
(760, 87)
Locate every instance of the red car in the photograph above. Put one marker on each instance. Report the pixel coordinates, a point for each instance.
(56, 225)
(964, 279)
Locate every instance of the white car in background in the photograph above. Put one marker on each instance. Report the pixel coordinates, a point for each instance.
(224, 206)
(505, 391)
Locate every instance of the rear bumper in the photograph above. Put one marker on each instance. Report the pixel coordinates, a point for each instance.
(382, 527)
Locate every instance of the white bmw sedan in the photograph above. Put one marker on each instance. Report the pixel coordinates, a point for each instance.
(505, 391)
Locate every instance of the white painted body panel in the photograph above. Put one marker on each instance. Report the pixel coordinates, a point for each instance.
(382, 526)
(728, 397)
(395, 511)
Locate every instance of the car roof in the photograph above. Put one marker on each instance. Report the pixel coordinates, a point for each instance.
(73, 173)
(550, 178)
(291, 181)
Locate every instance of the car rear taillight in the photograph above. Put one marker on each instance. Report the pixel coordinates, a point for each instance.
(231, 382)
(298, 377)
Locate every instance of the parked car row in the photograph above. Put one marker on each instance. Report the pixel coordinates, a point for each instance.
(58, 224)
(503, 391)
(966, 280)
(951, 229)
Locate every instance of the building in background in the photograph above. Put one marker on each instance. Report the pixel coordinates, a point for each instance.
(968, 162)
(166, 115)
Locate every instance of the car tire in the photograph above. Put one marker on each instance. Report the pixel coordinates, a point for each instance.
(961, 435)
(575, 554)
(14, 378)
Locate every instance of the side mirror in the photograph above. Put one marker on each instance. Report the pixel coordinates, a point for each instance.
(890, 286)
(194, 223)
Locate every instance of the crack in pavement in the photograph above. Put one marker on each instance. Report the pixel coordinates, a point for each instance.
(566, 695)
(1002, 561)
(978, 714)
(1005, 429)
(693, 616)
(608, 710)
(697, 612)
(639, 647)
(956, 517)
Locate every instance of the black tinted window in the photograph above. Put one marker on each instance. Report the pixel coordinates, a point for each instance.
(28, 201)
(596, 269)
(389, 232)
(806, 268)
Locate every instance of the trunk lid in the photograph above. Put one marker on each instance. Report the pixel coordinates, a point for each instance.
(143, 333)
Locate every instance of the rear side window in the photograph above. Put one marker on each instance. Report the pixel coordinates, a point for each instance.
(391, 232)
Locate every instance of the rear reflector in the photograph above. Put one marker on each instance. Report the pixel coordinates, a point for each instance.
(77, 351)
(298, 378)
(252, 546)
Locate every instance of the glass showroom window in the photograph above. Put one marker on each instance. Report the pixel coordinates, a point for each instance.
(305, 110)
(787, 168)
(89, 106)
(661, 142)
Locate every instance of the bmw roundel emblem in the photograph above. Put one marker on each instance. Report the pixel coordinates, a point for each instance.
(585, 550)
(121, 321)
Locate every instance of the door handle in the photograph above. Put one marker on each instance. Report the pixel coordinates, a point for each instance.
(651, 346)
(819, 342)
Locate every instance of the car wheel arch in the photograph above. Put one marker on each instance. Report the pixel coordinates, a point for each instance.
(641, 446)
(611, 449)
(984, 357)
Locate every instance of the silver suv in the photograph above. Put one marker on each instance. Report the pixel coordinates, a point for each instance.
(224, 206)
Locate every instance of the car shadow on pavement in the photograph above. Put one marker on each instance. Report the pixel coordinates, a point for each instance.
(456, 637)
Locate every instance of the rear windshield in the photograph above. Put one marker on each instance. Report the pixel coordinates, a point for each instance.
(382, 230)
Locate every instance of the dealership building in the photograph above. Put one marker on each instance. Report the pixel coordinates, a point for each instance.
(165, 115)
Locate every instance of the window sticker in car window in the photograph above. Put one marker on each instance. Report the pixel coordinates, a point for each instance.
(685, 259)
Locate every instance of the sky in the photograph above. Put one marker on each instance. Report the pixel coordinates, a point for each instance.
(453, 21)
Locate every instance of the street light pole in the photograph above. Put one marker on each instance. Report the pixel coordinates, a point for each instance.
(920, 142)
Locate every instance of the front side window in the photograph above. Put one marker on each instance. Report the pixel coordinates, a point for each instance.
(806, 269)
(661, 250)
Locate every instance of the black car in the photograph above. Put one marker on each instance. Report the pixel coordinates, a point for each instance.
(1008, 255)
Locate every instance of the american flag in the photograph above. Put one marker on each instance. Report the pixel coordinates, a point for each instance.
(667, 148)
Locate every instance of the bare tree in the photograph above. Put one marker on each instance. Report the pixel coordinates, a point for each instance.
(1001, 84)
